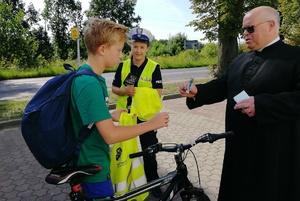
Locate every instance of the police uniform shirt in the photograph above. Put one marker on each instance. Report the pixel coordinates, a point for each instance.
(137, 71)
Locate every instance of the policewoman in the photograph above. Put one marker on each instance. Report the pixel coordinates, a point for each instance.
(140, 72)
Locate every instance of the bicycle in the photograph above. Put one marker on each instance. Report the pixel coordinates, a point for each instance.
(178, 179)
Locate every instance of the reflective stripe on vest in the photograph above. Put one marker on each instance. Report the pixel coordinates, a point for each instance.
(144, 81)
(135, 178)
(138, 174)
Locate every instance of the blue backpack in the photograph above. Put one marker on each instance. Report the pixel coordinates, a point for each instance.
(47, 125)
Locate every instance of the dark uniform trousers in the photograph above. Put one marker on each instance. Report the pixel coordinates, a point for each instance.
(150, 163)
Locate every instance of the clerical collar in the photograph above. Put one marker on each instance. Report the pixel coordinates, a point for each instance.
(271, 43)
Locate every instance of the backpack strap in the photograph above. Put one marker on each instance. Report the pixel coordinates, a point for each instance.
(83, 135)
(86, 130)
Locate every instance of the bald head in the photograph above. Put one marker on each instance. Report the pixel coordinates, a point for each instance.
(261, 27)
(265, 13)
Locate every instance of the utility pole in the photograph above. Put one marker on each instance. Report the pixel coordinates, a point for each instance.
(75, 35)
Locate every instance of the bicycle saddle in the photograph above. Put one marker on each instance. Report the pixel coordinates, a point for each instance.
(63, 175)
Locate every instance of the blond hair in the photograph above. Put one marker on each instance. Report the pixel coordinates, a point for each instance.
(103, 31)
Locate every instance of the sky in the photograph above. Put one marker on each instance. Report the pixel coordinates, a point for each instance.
(164, 18)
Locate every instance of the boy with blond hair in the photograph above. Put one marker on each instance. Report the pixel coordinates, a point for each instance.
(104, 40)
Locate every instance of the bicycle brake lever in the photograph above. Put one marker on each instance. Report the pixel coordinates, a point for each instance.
(193, 142)
(153, 149)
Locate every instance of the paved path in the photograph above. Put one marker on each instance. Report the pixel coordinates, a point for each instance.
(22, 178)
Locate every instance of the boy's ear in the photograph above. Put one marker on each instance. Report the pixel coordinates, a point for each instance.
(101, 50)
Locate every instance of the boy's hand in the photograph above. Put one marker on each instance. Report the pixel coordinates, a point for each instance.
(116, 114)
(161, 119)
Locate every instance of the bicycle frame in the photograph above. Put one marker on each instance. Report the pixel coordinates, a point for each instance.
(169, 178)
(175, 180)
(178, 179)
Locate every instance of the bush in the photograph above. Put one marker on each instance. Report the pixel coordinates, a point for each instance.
(187, 58)
(210, 50)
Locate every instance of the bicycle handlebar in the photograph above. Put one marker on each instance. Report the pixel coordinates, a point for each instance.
(153, 149)
(208, 137)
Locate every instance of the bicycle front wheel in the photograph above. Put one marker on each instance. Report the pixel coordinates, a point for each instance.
(194, 194)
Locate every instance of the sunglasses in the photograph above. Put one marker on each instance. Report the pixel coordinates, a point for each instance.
(251, 29)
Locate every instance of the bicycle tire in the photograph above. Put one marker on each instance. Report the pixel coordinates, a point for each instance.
(194, 194)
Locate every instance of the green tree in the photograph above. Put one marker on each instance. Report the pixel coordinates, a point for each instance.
(62, 15)
(290, 15)
(119, 11)
(45, 48)
(221, 21)
(201, 46)
(17, 46)
(16, 5)
(158, 48)
(77, 18)
(210, 50)
(32, 18)
(176, 43)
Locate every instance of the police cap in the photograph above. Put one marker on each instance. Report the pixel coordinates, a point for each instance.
(140, 34)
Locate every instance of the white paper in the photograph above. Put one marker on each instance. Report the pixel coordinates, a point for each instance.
(241, 96)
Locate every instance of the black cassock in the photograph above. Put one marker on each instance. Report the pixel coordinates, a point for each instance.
(262, 160)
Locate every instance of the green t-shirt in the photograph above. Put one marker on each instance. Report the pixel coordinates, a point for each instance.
(89, 105)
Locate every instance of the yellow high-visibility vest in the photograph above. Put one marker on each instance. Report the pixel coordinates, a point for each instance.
(145, 103)
(144, 81)
(127, 173)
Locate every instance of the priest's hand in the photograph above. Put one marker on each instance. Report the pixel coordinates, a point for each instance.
(247, 106)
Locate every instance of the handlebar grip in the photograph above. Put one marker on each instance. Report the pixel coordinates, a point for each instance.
(222, 135)
(153, 149)
(208, 137)
(138, 154)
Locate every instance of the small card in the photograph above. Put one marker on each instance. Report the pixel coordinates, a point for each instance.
(130, 79)
(241, 96)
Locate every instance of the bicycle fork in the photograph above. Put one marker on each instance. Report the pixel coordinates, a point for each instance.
(184, 182)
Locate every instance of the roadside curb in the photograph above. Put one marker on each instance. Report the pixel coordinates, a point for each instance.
(17, 122)
(10, 123)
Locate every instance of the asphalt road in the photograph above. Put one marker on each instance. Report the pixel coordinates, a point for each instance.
(26, 88)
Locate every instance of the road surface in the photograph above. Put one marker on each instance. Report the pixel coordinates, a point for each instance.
(26, 88)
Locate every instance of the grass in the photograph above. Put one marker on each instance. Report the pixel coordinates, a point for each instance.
(14, 110)
(185, 59)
